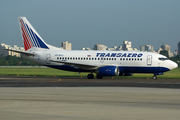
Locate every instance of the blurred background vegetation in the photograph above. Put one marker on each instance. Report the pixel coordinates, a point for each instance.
(15, 61)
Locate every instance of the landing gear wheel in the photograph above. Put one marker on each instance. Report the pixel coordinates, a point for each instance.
(154, 77)
(90, 76)
(99, 77)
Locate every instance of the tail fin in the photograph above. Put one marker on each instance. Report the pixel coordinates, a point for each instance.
(29, 35)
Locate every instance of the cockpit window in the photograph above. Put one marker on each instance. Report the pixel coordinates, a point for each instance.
(163, 59)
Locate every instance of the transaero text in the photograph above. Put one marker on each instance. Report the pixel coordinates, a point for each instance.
(119, 55)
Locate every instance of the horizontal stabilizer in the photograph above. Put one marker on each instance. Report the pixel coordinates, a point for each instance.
(22, 52)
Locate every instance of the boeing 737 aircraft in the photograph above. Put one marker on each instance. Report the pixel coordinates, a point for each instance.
(102, 63)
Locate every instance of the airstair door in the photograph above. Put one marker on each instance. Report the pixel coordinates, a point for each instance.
(149, 60)
(48, 57)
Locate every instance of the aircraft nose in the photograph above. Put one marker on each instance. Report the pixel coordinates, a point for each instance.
(173, 65)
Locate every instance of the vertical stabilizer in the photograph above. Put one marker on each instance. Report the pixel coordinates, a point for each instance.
(29, 35)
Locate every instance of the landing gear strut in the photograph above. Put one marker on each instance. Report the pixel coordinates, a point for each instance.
(90, 76)
(154, 77)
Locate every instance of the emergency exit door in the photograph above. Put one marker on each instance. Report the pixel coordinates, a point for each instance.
(149, 60)
(48, 57)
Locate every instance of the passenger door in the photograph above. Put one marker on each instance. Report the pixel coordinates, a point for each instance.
(149, 60)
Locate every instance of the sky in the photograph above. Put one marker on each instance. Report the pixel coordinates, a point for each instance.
(85, 23)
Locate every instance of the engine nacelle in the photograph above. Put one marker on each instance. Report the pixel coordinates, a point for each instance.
(108, 71)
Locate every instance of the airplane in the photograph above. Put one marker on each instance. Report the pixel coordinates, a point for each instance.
(102, 63)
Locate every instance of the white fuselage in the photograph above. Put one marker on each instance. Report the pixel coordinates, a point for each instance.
(127, 61)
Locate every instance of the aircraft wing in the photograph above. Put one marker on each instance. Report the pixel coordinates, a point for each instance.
(22, 52)
(79, 65)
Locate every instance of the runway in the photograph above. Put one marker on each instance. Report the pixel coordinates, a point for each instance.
(23, 81)
(89, 103)
(65, 98)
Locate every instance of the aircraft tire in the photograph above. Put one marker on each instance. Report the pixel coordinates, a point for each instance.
(90, 76)
(99, 77)
(154, 77)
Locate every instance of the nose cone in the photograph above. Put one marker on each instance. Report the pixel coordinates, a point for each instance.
(173, 65)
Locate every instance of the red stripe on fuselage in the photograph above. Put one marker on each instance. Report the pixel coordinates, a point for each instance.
(28, 41)
(24, 36)
(24, 39)
(29, 44)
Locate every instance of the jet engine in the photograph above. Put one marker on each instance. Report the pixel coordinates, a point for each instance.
(108, 71)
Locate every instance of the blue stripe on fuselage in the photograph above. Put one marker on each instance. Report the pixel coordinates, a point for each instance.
(121, 68)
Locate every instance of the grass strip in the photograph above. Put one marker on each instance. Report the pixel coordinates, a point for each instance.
(173, 74)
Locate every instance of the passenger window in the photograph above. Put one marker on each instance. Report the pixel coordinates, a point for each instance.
(132, 59)
(120, 58)
(98, 58)
(109, 58)
(129, 58)
(114, 58)
(60, 58)
(92, 58)
(89, 58)
(70, 58)
(126, 58)
(86, 58)
(81, 58)
(123, 58)
(63, 58)
(141, 59)
(57, 57)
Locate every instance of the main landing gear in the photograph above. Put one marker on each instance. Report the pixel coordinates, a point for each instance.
(90, 76)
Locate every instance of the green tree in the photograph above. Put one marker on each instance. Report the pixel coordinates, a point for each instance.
(165, 53)
(15, 61)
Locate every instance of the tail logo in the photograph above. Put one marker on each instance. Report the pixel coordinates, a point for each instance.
(30, 39)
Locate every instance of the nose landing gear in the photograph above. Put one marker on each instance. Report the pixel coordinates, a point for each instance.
(154, 77)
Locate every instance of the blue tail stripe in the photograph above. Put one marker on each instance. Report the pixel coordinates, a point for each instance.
(35, 39)
(37, 43)
(41, 42)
